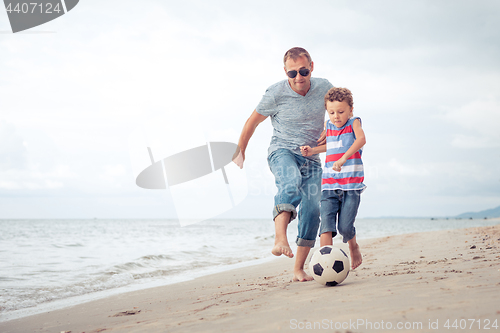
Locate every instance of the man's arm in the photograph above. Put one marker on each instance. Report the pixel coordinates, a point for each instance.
(246, 133)
(322, 138)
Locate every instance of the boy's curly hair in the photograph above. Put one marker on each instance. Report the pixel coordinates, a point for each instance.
(339, 95)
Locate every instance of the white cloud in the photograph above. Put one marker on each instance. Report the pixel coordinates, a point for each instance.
(114, 174)
(478, 123)
(471, 142)
(12, 148)
(397, 167)
(31, 178)
(425, 76)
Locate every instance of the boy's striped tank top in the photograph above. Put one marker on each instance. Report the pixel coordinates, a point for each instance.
(338, 141)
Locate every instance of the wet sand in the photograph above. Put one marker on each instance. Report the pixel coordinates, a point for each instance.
(418, 282)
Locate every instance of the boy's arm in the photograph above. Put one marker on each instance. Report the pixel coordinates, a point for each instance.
(357, 145)
(308, 151)
(320, 148)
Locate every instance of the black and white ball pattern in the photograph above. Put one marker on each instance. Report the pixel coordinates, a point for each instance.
(329, 265)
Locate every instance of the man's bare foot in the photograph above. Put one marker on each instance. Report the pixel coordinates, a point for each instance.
(356, 257)
(282, 249)
(301, 276)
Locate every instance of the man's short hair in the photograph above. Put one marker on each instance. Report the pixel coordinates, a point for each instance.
(339, 95)
(295, 53)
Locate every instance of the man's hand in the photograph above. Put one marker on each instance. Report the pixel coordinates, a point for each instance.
(239, 157)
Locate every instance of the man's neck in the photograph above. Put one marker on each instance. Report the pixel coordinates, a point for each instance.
(301, 92)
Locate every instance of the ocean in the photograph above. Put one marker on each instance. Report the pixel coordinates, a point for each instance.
(50, 264)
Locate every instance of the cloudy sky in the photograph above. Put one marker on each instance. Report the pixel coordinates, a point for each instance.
(73, 92)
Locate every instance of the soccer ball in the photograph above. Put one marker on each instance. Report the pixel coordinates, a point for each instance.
(329, 265)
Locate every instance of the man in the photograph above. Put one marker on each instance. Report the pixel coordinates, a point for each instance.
(297, 111)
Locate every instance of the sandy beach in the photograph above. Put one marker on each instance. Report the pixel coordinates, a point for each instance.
(423, 282)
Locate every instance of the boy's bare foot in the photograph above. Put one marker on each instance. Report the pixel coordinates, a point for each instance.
(301, 276)
(356, 257)
(282, 249)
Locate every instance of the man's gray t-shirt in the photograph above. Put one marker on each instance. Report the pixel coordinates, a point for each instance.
(297, 120)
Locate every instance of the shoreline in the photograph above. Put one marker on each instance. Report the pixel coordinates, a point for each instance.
(368, 231)
(426, 277)
(61, 304)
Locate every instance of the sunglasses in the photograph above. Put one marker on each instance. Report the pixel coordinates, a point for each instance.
(302, 71)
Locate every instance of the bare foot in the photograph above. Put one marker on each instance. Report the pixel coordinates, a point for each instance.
(282, 249)
(301, 276)
(356, 257)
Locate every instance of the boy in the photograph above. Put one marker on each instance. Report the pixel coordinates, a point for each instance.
(343, 173)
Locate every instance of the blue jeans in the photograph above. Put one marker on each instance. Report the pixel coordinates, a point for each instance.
(344, 204)
(299, 182)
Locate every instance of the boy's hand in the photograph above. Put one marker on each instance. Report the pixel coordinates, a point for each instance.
(337, 166)
(306, 150)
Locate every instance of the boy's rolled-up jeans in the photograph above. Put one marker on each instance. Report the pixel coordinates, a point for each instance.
(299, 182)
